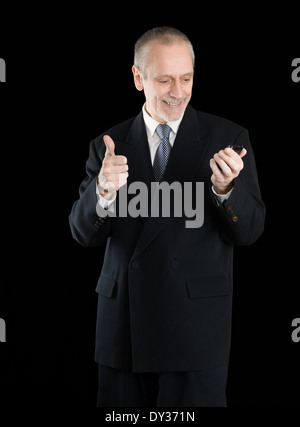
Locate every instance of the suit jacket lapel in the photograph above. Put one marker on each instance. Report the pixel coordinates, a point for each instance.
(184, 158)
(187, 150)
(138, 153)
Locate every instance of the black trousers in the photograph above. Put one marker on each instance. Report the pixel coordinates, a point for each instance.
(119, 388)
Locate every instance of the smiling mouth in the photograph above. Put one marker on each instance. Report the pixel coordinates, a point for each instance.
(172, 104)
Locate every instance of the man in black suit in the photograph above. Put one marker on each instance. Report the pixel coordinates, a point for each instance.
(165, 289)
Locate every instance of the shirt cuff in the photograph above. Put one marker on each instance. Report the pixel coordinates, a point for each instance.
(220, 198)
(104, 203)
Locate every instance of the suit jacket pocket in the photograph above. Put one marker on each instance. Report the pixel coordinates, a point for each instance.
(106, 285)
(208, 286)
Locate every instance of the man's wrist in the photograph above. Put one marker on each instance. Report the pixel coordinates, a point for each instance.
(220, 198)
(223, 190)
(106, 193)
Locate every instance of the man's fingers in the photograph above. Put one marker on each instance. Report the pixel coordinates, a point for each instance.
(230, 152)
(110, 145)
(222, 163)
(115, 168)
(114, 182)
(232, 159)
(115, 178)
(216, 171)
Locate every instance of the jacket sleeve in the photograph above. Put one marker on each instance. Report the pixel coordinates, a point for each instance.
(89, 223)
(242, 215)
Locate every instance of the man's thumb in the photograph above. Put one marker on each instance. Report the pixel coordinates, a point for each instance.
(110, 145)
(243, 152)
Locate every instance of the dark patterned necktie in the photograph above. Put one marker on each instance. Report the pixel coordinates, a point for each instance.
(162, 153)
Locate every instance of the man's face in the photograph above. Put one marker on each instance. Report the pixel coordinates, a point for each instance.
(169, 80)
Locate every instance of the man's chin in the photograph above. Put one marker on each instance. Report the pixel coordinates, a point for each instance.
(171, 116)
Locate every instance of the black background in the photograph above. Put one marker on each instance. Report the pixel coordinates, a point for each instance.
(68, 80)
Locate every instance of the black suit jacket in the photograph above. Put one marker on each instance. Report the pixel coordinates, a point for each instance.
(165, 291)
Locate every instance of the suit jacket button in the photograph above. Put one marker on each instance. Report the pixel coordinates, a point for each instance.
(174, 264)
(135, 265)
(235, 218)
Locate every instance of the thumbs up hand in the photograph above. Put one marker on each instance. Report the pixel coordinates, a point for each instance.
(114, 171)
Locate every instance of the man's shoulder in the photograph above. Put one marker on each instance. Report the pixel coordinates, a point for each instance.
(216, 122)
(119, 130)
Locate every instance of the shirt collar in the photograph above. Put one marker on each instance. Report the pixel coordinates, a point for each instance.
(151, 124)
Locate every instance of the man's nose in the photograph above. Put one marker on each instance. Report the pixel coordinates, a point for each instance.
(176, 90)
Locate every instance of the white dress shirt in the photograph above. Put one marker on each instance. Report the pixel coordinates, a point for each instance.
(153, 137)
(154, 141)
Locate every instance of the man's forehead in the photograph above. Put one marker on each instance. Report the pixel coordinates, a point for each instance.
(163, 58)
(156, 46)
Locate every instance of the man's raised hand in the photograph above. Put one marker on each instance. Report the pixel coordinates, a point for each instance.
(226, 166)
(114, 170)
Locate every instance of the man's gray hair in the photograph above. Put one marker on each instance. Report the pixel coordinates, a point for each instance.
(166, 35)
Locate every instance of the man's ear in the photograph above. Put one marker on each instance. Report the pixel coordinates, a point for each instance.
(137, 77)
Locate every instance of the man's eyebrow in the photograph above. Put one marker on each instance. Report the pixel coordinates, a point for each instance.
(160, 76)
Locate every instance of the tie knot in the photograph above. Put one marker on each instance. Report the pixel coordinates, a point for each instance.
(163, 131)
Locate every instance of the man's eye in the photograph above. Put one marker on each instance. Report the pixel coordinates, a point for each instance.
(164, 81)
